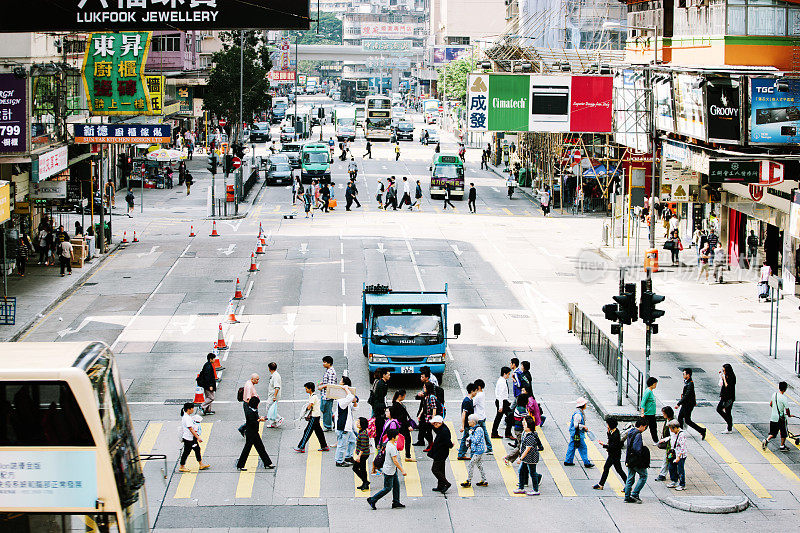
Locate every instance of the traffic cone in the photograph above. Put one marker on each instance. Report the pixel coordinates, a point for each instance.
(191, 231)
(198, 393)
(214, 229)
(217, 364)
(134, 237)
(260, 230)
(221, 340)
(231, 316)
(124, 237)
(263, 240)
(238, 294)
(259, 248)
(253, 266)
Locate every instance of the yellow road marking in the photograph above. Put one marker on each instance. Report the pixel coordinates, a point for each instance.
(149, 438)
(277, 208)
(768, 455)
(554, 466)
(510, 477)
(412, 482)
(459, 468)
(186, 483)
(313, 468)
(736, 466)
(597, 457)
(527, 212)
(244, 487)
(508, 212)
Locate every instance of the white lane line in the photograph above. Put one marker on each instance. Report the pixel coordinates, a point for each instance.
(249, 288)
(341, 248)
(413, 259)
(343, 287)
(449, 353)
(341, 269)
(460, 383)
(344, 313)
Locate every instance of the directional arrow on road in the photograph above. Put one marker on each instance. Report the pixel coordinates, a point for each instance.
(234, 225)
(486, 326)
(188, 325)
(455, 249)
(229, 251)
(115, 319)
(290, 327)
(152, 251)
(380, 247)
(304, 248)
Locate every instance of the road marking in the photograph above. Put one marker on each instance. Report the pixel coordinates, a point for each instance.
(508, 212)
(229, 250)
(341, 268)
(736, 466)
(768, 454)
(343, 293)
(277, 208)
(459, 468)
(486, 325)
(290, 327)
(186, 483)
(460, 383)
(313, 468)
(446, 350)
(148, 441)
(341, 248)
(554, 466)
(413, 260)
(244, 487)
(304, 248)
(507, 472)
(456, 250)
(249, 288)
(597, 457)
(411, 480)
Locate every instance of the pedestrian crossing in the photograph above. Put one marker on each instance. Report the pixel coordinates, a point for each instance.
(283, 209)
(739, 455)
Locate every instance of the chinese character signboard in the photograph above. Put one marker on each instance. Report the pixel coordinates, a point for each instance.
(13, 130)
(48, 478)
(281, 76)
(155, 86)
(123, 133)
(386, 45)
(51, 163)
(284, 55)
(115, 15)
(113, 73)
(185, 96)
(774, 116)
(5, 201)
(502, 102)
(386, 29)
(733, 171)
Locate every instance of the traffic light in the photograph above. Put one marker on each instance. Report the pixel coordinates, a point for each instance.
(647, 307)
(227, 165)
(626, 310)
(212, 164)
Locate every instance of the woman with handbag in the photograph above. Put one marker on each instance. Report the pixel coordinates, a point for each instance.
(675, 247)
(727, 395)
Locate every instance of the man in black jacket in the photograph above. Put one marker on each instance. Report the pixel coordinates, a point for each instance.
(439, 451)
(688, 402)
(208, 381)
(252, 437)
(378, 402)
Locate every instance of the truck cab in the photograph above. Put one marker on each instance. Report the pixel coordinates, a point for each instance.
(404, 330)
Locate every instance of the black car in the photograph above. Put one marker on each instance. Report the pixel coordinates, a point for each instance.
(260, 133)
(404, 130)
(293, 151)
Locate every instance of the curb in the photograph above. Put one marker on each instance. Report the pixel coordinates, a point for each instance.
(66, 293)
(702, 505)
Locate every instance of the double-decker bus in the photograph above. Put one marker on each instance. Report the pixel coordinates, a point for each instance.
(447, 169)
(67, 450)
(354, 89)
(378, 122)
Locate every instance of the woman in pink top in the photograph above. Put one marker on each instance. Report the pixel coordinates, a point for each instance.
(533, 407)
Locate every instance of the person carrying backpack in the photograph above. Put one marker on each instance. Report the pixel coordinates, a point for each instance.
(130, 198)
(637, 458)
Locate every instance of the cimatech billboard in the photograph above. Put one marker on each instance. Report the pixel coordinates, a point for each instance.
(521, 102)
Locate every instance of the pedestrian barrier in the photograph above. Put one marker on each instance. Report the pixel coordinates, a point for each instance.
(237, 295)
(214, 229)
(134, 237)
(605, 351)
(191, 231)
(221, 339)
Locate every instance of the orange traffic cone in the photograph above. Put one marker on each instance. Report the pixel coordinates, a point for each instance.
(231, 315)
(134, 237)
(214, 229)
(124, 237)
(191, 231)
(238, 294)
(259, 248)
(263, 240)
(221, 340)
(260, 230)
(253, 266)
(217, 364)
(198, 393)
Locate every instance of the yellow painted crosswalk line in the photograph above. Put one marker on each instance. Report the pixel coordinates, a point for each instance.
(276, 209)
(507, 472)
(527, 213)
(597, 457)
(412, 482)
(186, 483)
(244, 487)
(768, 455)
(757, 488)
(459, 467)
(554, 467)
(313, 468)
(508, 212)
(148, 441)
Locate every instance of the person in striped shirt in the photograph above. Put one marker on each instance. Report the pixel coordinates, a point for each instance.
(329, 378)
(361, 454)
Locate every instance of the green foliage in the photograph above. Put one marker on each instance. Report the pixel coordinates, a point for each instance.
(330, 31)
(454, 79)
(222, 92)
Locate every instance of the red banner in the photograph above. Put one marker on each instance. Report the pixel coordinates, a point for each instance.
(590, 106)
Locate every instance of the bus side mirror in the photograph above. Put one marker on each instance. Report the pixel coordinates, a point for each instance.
(457, 328)
(359, 328)
(430, 168)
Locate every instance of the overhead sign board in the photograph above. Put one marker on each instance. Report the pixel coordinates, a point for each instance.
(13, 114)
(733, 171)
(48, 190)
(794, 215)
(155, 86)
(689, 108)
(442, 55)
(115, 15)
(386, 45)
(774, 113)
(123, 133)
(503, 102)
(723, 110)
(281, 76)
(51, 163)
(662, 92)
(386, 29)
(5, 201)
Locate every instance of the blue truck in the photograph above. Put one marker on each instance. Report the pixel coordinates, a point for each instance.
(404, 330)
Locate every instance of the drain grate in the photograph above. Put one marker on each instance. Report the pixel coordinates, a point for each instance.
(90, 283)
(175, 401)
(126, 277)
(190, 254)
(519, 316)
(223, 281)
(207, 314)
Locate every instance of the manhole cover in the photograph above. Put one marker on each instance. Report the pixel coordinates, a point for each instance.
(207, 314)
(175, 401)
(695, 370)
(758, 325)
(90, 283)
(519, 316)
(126, 277)
(190, 254)
(223, 281)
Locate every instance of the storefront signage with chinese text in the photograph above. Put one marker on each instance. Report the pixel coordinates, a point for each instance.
(13, 114)
(123, 133)
(52, 163)
(733, 171)
(155, 86)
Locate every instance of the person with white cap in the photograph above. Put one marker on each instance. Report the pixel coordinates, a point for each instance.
(439, 451)
(577, 427)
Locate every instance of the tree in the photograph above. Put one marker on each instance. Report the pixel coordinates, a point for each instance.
(453, 79)
(330, 31)
(222, 92)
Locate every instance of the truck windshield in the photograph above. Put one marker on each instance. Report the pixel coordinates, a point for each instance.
(390, 325)
(316, 158)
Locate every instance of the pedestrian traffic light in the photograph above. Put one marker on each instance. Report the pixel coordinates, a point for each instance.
(627, 311)
(227, 165)
(212, 164)
(647, 307)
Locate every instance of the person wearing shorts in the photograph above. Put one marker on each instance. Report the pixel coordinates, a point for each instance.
(777, 419)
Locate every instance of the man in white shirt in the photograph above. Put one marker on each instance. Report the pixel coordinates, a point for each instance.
(273, 418)
(479, 403)
(65, 256)
(345, 429)
(763, 280)
(502, 403)
(406, 194)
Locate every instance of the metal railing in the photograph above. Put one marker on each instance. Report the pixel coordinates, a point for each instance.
(605, 351)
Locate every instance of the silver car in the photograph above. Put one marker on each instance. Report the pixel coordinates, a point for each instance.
(279, 169)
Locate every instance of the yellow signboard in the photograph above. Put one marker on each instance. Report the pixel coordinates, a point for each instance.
(5, 201)
(155, 86)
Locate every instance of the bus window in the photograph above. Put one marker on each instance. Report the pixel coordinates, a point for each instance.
(41, 413)
(316, 158)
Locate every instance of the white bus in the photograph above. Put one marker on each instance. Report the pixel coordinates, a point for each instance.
(378, 122)
(67, 450)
